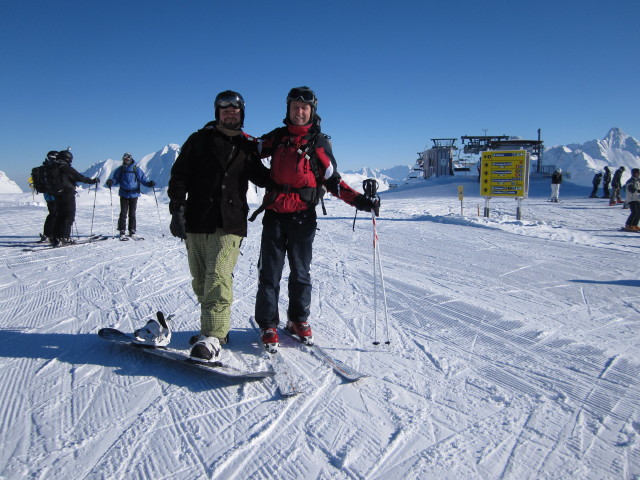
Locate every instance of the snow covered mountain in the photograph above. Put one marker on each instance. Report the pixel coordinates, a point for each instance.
(385, 177)
(583, 161)
(7, 185)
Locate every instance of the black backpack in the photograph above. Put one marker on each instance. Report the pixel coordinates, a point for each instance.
(47, 178)
(39, 178)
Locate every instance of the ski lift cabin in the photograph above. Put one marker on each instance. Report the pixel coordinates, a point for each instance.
(435, 161)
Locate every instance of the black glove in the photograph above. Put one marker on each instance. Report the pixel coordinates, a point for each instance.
(96, 181)
(177, 225)
(108, 183)
(175, 205)
(365, 204)
(151, 184)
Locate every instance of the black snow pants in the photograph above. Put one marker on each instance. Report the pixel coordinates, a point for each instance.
(65, 214)
(127, 206)
(290, 235)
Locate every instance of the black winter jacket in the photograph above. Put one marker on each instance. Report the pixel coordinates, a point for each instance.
(211, 177)
(66, 179)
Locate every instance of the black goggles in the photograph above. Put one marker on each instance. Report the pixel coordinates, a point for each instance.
(234, 101)
(306, 96)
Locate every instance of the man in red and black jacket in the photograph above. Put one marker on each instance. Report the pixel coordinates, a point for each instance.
(301, 164)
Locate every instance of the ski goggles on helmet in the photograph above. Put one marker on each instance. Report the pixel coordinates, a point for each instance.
(234, 101)
(302, 94)
(127, 156)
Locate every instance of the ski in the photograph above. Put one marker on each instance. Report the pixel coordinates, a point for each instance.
(284, 378)
(342, 369)
(126, 238)
(217, 368)
(78, 242)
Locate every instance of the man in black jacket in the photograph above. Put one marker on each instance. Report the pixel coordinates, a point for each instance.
(616, 186)
(63, 179)
(208, 204)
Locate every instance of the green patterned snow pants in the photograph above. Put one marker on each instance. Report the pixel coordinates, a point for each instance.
(212, 258)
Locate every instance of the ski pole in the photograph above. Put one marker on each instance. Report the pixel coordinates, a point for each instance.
(370, 187)
(113, 229)
(158, 208)
(376, 249)
(95, 196)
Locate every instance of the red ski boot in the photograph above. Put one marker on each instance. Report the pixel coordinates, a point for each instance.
(270, 339)
(302, 330)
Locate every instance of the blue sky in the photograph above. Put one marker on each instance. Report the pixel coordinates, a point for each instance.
(132, 76)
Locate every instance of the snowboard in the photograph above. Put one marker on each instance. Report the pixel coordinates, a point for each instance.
(218, 368)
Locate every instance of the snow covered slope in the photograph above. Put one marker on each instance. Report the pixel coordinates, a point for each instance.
(514, 349)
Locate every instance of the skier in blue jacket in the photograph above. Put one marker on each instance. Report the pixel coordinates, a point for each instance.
(129, 176)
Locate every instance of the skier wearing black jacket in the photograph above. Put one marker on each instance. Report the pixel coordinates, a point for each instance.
(208, 204)
(606, 181)
(63, 178)
(597, 178)
(616, 186)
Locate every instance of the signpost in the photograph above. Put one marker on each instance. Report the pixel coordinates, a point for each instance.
(504, 174)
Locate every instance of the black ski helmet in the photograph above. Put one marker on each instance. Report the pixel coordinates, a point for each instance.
(306, 95)
(65, 156)
(226, 98)
(51, 156)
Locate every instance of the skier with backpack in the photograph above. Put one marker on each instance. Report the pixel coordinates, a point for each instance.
(61, 183)
(39, 179)
(129, 176)
(302, 165)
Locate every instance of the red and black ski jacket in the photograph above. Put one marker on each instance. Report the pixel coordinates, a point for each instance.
(301, 159)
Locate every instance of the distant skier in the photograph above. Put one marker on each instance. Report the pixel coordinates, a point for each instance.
(556, 180)
(129, 177)
(632, 188)
(597, 178)
(616, 186)
(49, 222)
(606, 180)
(63, 178)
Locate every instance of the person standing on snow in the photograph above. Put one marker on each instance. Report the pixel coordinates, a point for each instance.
(632, 188)
(616, 186)
(597, 178)
(606, 180)
(63, 178)
(301, 164)
(556, 180)
(129, 177)
(208, 205)
(49, 222)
